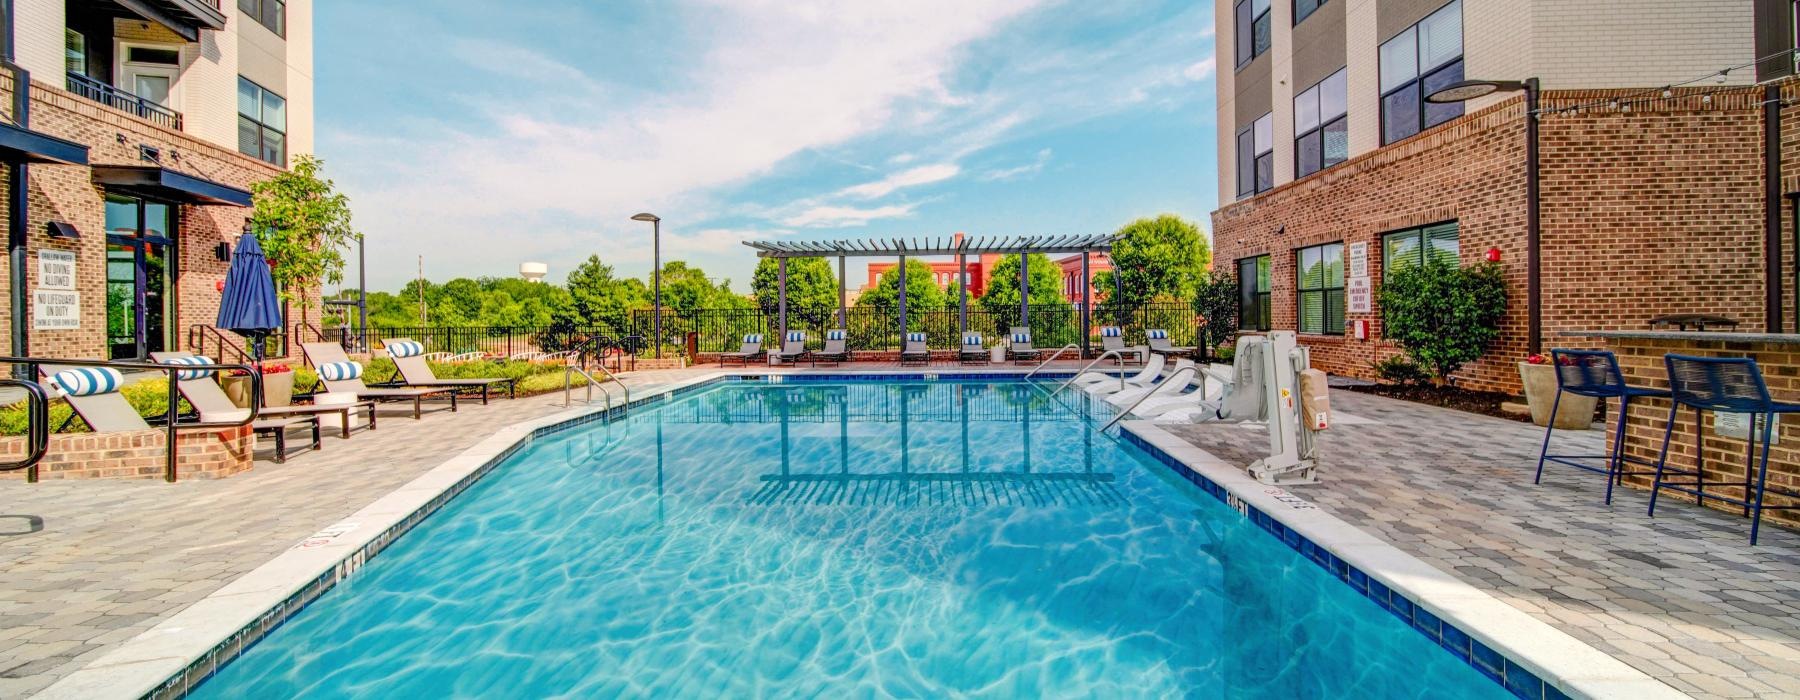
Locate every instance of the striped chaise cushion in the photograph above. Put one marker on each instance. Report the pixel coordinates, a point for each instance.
(1109, 332)
(753, 339)
(88, 381)
(1021, 337)
(340, 371)
(796, 336)
(971, 339)
(915, 337)
(1156, 334)
(834, 335)
(406, 348)
(191, 361)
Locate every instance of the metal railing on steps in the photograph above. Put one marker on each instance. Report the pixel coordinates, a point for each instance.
(37, 428)
(1053, 356)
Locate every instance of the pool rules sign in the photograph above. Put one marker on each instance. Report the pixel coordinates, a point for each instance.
(55, 305)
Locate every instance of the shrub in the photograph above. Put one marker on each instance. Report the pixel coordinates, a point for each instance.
(1399, 370)
(1216, 303)
(150, 397)
(1443, 316)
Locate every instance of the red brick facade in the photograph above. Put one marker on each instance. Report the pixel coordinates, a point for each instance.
(1650, 211)
(139, 454)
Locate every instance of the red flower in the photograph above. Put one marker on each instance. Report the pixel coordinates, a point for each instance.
(1537, 360)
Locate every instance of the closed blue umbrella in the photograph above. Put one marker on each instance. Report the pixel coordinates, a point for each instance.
(249, 306)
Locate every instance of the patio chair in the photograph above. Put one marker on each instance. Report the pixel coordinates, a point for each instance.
(973, 350)
(751, 349)
(1594, 373)
(93, 392)
(210, 401)
(409, 360)
(1113, 338)
(1161, 387)
(1099, 383)
(835, 351)
(1723, 385)
(793, 347)
(1158, 340)
(915, 351)
(339, 374)
(1205, 387)
(1019, 349)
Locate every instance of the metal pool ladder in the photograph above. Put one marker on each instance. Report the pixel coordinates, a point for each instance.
(1053, 356)
(1153, 391)
(568, 376)
(1110, 353)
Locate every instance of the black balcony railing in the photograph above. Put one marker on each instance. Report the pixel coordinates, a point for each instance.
(123, 101)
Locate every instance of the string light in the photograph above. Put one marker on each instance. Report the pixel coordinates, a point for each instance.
(1667, 91)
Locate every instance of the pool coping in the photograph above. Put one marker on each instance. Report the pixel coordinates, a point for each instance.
(1495, 638)
(177, 654)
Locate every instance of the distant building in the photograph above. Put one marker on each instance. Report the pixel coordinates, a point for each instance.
(980, 270)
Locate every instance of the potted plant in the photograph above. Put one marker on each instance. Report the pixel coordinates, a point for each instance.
(1539, 377)
(277, 386)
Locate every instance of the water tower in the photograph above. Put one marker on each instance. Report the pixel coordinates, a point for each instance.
(533, 271)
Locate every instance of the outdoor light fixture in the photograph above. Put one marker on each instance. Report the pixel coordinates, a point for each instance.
(1465, 90)
(222, 251)
(62, 229)
(655, 271)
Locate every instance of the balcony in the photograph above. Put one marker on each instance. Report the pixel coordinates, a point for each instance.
(124, 101)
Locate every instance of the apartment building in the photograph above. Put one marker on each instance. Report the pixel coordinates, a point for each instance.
(1625, 189)
(134, 132)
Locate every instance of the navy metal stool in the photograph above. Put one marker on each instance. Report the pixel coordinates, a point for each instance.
(1594, 373)
(1722, 385)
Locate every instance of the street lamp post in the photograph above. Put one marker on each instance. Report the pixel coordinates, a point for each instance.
(1466, 90)
(655, 272)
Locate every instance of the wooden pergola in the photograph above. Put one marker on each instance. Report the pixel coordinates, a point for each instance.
(903, 248)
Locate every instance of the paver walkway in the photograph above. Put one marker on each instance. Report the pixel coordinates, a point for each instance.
(85, 565)
(1681, 596)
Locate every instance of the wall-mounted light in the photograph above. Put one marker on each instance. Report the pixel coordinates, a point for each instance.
(63, 229)
(149, 154)
(222, 251)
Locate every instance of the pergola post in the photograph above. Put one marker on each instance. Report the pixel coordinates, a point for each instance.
(1087, 305)
(902, 283)
(781, 284)
(962, 285)
(843, 322)
(1024, 290)
(1118, 299)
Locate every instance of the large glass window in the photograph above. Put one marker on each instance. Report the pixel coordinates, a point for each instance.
(1418, 61)
(1254, 282)
(1253, 33)
(1305, 8)
(74, 52)
(1321, 288)
(140, 272)
(1256, 157)
(1436, 244)
(268, 13)
(262, 123)
(1321, 127)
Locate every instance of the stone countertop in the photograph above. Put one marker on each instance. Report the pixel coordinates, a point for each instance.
(1702, 336)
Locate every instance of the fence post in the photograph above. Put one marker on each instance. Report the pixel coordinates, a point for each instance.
(1087, 305)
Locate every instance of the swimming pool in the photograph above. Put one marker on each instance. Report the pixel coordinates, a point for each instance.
(913, 538)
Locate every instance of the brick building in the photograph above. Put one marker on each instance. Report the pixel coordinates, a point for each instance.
(160, 116)
(1335, 169)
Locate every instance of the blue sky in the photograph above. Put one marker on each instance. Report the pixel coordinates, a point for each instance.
(485, 134)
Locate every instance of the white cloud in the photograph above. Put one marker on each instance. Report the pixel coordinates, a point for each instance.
(1032, 168)
(1200, 70)
(922, 175)
(830, 216)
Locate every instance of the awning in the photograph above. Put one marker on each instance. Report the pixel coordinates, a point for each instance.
(24, 145)
(184, 17)
(168, 185)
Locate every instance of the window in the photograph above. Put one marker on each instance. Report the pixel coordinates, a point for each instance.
(1415, 246)
(1421, 60)
(1321, 129)
(1321, 272)
(262, 123)
(1256, 157)
(1252, 30)
(268, 13)
(1304, 9)
(75, 52)
(1253, 293)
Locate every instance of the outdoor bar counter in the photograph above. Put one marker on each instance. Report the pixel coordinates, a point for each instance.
(1640, 356)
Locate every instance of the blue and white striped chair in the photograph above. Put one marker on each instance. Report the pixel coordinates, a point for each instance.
(1019, 348)
(1159, 342)
(751, 349)
(94, 394)
(974, 350)
(836, 349)
(793, 347)
(1113, 338)
(915, 350)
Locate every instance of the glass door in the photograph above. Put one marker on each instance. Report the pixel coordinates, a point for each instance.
(140, 272)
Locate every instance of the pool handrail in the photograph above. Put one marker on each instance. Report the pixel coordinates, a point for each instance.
(37, 428)
(1118, 353)
(1053, 356)
(1127, 411)
(591, 383)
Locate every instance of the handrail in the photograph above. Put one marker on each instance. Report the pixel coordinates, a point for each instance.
(169, 471)
(1090, 365)
(1152, 392)
(198, 333)
(568, 399)
(1053, 356)
(37, 428)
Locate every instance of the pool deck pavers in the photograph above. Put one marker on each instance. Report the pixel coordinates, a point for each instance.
(86, 565)
(1682, 596)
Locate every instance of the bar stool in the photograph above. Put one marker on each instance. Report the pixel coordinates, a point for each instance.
(1722, 385)
(1594, 373)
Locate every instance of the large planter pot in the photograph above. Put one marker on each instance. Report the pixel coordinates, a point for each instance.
(278, 389)
(1574, 413)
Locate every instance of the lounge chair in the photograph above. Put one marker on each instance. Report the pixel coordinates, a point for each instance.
(793, 347)
(1206, 386)
(915, 350)
(973, 351)
(750, 350)
(94, 394)
(1101, 383)
(409, 360)
(339, 374)
(1113, 338)
(210, 401)
(1020, 350)
(1159, 342)
(1163, 386)
(835, 352)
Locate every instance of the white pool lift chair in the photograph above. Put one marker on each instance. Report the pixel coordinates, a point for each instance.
(1271, 381)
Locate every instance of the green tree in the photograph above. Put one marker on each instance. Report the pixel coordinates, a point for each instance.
(686, 289)
(304, 226)
(1216, 303)
(1002, 294)
(922, 293)
(812, 291)
(598, 299)
(1161, 258)
(1442, 315)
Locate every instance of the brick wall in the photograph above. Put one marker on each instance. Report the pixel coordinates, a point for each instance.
(1651, 211)
(139, 454)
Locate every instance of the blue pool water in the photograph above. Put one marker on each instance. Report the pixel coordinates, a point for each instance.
(850, 539)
